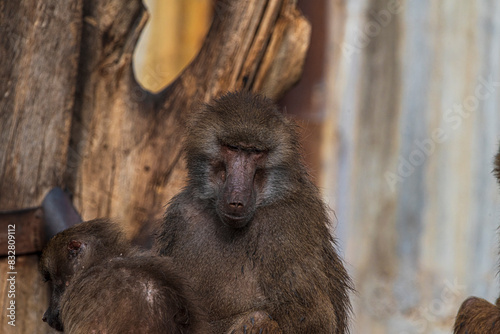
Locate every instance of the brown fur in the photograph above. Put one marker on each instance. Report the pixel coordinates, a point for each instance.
(274, 255)
(476, 315)
(496, 169)
(100, 283)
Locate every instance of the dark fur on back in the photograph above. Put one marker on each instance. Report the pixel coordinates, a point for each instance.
(132, 295)
(101, 284)
(477, 316)
(284, 261)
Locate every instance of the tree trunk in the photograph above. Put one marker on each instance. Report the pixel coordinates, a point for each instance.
(72, 114)
(39, 50)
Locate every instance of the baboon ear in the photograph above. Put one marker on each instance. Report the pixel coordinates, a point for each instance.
(75, 247)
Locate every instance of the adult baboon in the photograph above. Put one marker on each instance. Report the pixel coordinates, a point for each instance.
(250, 227)
(100, 284)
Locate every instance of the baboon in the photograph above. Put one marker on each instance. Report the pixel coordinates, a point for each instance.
(101, 284)
(476, 315)
(250, 227)
(496, 169)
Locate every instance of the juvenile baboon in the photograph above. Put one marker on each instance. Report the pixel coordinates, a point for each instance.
(100, 284)
(476, 315)
(250, 227)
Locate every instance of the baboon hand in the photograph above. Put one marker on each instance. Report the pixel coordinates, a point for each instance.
(257, 322)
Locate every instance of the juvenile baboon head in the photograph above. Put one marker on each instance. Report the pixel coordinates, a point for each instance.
(72, 250)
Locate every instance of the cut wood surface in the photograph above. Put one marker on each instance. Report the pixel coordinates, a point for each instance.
(72, 114)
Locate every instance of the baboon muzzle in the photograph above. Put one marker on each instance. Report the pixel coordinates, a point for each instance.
(237, 204)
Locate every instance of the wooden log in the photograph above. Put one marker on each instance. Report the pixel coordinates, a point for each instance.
(39, 49)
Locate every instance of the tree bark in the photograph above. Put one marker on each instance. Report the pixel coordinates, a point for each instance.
(72, 114)
(39, 49)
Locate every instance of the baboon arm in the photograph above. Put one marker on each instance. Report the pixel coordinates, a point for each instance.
(316, 317)
(300, 304)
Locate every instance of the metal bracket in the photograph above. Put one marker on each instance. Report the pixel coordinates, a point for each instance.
(33, 227)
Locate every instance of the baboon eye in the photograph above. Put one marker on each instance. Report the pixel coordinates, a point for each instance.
(232, 147)
(259, 152)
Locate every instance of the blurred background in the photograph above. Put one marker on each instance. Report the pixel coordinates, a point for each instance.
(399, 109)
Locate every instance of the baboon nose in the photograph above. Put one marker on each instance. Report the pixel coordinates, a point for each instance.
(236, 205)
(237, 208)
(44, 318)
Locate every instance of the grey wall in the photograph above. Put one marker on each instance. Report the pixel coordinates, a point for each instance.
(412, 125)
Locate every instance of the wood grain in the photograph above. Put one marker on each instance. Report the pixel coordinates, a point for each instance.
(39, 49)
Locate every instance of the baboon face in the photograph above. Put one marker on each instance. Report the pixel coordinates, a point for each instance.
(58, 265)
(52, 314)
(240, 155)
(239, 176)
